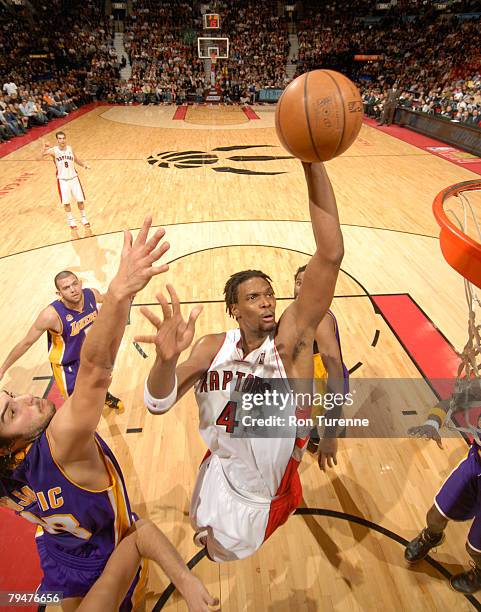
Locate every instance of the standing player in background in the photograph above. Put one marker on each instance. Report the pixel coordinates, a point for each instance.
(58, 473)
(66, 322)
(68, 181)
(248, 486)
(330, 375)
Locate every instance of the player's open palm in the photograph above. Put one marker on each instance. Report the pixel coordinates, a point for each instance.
(174, 334)
(136, 262)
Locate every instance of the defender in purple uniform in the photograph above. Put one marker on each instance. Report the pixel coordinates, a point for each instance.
(55, 471)
(459, 499)
(66, 322)
(330, 373)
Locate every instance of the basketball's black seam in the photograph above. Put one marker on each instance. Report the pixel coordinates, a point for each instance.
(343, 110)
(307, 118)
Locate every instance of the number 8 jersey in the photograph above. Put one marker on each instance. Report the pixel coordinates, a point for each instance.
(65, 163)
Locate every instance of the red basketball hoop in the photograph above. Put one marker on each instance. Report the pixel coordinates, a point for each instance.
(460, 251)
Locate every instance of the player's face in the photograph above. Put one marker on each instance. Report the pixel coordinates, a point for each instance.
(298, 283)
(61, 140)
(256, 306)
(23, 417)
(70, 289)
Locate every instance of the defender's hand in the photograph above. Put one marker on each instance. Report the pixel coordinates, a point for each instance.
(327, 453)
(426, 431)
(137, 259)
(174, 334)
(198, 597)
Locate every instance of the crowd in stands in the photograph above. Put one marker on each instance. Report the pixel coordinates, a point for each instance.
(61, 55)
(433, 58)
(54, 57)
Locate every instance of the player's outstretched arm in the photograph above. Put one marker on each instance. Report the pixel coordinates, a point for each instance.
(321, 273)
(78, 161)
(47, 319)
(167, 382)
(46, 150)
(80, 414)
(144, 541)
(431, 426)
(331, 357)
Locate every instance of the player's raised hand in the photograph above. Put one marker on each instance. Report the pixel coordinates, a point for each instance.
(136, 261)
(173, 333)
(426, 431)
(197, 597)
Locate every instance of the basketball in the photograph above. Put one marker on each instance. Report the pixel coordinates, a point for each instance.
(319, 115)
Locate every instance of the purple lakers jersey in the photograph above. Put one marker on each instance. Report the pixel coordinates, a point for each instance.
(320, 372)
(70, 517)
(78, 528)
(64, 348)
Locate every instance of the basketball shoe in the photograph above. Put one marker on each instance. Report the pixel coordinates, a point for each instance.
(469, 581)
(74, 235)
(418, 548)
(113, 402)
(88, 230)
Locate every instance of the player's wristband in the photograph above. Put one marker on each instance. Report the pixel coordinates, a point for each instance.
(432, 423)
(159, 406)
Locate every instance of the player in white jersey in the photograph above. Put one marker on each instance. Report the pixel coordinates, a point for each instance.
(68, 181)
(247, 485)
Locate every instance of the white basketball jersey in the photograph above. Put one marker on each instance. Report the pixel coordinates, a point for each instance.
(64, 161)
(253, 466)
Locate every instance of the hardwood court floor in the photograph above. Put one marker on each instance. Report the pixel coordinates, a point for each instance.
(220, 221)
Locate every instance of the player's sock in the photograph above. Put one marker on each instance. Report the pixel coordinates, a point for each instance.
(71, 221)
(85, 221)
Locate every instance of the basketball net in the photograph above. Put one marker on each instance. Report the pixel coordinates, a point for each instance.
(467, 389)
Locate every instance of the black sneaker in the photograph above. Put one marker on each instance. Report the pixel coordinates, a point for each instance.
(113, 402)
(418, 548)
(469, 581)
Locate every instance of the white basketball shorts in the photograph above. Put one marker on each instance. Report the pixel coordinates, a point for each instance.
(236, 526)
(68, 188)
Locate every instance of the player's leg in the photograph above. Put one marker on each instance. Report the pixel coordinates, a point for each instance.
(430, 537)
(60, 377)
(456, 500)
(470, 580)
(64, 192)
(79, 195)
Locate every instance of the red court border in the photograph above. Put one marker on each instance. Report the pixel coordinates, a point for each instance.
(421, 142)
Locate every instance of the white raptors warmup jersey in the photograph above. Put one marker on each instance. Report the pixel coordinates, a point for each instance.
(253, 466)
(64, 161)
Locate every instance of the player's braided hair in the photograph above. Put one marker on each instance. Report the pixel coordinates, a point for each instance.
(232, 286)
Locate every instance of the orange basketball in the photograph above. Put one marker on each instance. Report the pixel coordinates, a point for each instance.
(319, 115)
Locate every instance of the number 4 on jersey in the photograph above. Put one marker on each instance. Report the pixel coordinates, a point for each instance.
(227, 417)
